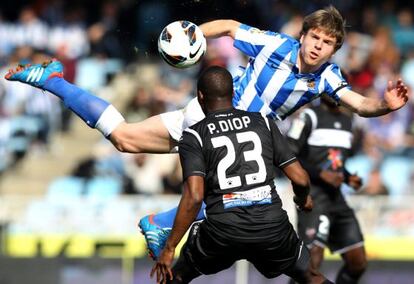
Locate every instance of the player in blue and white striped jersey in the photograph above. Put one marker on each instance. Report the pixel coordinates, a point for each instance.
(272, 83)
(282, 75)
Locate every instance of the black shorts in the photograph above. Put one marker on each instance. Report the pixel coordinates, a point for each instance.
(209, 252)
(330, 224)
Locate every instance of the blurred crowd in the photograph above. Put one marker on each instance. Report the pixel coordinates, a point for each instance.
(100, 40)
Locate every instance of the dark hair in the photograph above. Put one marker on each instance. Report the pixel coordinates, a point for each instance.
(328, 20)
(215, 82)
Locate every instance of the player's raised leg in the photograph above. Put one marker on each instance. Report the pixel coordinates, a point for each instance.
(148, 136)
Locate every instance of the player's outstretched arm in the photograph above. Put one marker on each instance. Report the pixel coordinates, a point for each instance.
(188, 208)
(219, 28)
(395, 97)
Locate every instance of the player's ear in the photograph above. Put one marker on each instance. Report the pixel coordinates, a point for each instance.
(200, 96)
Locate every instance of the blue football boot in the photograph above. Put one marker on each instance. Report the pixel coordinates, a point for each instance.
(155, 236)
(37, 74)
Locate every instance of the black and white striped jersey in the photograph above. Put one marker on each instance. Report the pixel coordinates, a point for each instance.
(322, 140)
(237, 152)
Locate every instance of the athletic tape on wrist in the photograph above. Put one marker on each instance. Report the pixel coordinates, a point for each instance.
(109, 120)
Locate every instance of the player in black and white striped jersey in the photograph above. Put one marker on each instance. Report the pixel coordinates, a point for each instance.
(322, 138)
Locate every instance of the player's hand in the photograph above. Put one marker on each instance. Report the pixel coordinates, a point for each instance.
(396, 95)
(333, 178)
(306, 205)
(355, 182)
(163, 266)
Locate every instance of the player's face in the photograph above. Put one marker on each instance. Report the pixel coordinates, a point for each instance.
(316, 49)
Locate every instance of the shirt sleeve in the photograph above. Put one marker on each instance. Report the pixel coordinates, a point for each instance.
(251, 40)
(298, 133)
(282, 155)
(191, 155)
(334, 81)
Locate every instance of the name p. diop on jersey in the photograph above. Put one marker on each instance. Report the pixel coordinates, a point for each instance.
(229, 124)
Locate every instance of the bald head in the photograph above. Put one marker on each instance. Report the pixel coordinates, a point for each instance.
(215, 89)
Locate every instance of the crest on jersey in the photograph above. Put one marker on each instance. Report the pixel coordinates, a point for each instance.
(310, 83)
(335, 159)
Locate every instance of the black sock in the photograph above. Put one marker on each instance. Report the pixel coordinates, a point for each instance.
(345, 277)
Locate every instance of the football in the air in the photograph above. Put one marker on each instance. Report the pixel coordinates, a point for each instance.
(182, 44)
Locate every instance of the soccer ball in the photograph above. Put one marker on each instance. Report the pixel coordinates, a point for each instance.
(182, 44)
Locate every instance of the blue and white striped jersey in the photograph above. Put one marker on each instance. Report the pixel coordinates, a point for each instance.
(271, 82)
